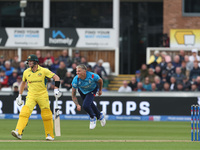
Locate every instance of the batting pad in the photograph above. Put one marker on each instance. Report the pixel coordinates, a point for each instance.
(23, 119)
(48, 122)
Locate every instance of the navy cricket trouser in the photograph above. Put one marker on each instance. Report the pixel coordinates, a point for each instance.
(88, 104)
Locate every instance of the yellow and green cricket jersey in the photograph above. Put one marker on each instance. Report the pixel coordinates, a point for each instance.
(37, 81)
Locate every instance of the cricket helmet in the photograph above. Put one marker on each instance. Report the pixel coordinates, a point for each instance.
(32, 58)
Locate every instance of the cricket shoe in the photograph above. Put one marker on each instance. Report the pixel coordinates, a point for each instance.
(16, 134)
(102, 118)
(92, 123)
(49, 138)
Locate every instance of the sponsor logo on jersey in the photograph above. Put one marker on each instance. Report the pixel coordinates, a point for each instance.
(39, 74)
(34, 81)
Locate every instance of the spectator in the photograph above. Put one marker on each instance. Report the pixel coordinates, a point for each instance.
(89, 68)
(166, 87)
(139, 87)
(40, 58)
(74, 69)
(180, 86)
(155, 59)
(67, 81)
(65, 58)
(61, 71)
(182, 55)
(164, 77)
(153, 87)
(147, 84)
(194, 87)
(84, 61)
(77, 58)
(194, 56)
(158, 71)
(125, 87)
(21, 68)
(195, 71)
(172, 84)
(8, 69)
(15, 62)
(189, 65)
(186, 84)
(12, 78)
(99, 69)
(183, 67)
(3, 79)
(166, 57)
(178, 75)
(48, 61)
(55, 65)
(133, 83)
(151, 75)
(138, 76)
(170, 69)
(163, 64)
(176, 61)
(158, 83)
(143, 71)
(18, 82)
(2, 61)
(15, 89)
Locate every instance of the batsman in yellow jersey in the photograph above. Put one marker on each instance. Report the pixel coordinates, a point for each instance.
(35, 76)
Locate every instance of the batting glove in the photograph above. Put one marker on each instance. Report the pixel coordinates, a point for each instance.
(57, 93)
(19, 100)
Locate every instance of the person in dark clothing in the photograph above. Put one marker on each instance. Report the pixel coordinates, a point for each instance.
(67, 81)
(12, 78)
(133, 83)
(61, 71)
(55, 65)
(65, 58)
(195, 71)
(170, 69)
(99, 69)
(186, 84)
(164, 77)
(74, 65)
(21, 69)
(77, 58)
(176, 61)
(158, 71)
(178, 75)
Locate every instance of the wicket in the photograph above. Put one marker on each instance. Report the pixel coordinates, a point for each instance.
(195, 114)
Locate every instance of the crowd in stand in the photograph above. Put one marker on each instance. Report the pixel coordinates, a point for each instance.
(164, 73)
(11, 71)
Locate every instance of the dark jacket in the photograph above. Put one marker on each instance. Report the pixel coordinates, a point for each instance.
(194, 73)
(61, 73)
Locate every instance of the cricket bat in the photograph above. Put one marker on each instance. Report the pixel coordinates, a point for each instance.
(57, 119)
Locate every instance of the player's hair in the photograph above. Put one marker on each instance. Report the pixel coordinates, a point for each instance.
(82, 66)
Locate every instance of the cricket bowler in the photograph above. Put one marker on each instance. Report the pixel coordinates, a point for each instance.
(36, 78)
(88, 83)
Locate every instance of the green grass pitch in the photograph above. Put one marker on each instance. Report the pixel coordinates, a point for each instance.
(116, 135)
